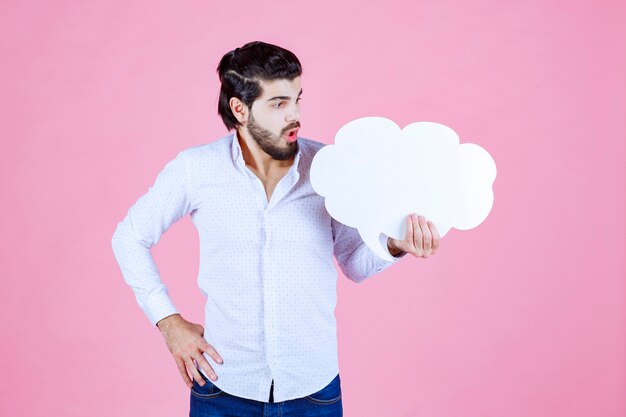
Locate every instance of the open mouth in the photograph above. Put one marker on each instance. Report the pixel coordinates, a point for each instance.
(291, 135)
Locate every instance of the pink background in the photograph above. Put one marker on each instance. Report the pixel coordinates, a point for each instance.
(522, 316)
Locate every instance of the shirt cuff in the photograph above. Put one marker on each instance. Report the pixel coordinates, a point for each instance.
(160, 306)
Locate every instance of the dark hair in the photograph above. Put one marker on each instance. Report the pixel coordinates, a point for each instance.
(241, 69)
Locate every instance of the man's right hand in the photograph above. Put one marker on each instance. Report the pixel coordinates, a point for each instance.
(186, 342)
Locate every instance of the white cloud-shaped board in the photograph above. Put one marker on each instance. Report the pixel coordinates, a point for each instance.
(376, 174)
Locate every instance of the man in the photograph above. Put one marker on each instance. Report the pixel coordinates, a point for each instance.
(266, 248)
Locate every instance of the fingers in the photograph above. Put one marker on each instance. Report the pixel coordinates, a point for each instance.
(208, 369)
(417, 236)
(423, 236)
(183, 372)
(436, 237)
(187, 345)
(204, 364)
(426, 236)
(206, 347)
(191, 367)
(409, 234)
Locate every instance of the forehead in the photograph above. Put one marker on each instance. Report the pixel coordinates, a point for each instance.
(280, 87)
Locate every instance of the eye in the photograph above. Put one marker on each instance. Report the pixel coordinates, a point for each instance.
(281, 103)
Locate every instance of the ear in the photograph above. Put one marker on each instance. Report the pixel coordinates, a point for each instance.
(239, 109)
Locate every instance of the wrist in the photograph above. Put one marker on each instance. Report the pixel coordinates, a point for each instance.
(168, 321)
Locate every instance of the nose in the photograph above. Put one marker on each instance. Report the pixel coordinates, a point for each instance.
(293, 114)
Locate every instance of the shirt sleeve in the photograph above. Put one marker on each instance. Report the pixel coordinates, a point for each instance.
(356, 260)
(165, 202)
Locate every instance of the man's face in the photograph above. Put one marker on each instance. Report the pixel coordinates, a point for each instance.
(274, 116)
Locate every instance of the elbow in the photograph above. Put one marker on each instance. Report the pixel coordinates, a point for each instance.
(118, 234)
(353, 275)
(121, 239)
(117, 241)
(359, 279)
(124, 235)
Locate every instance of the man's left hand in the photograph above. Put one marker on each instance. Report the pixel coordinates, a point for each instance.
(421, 240)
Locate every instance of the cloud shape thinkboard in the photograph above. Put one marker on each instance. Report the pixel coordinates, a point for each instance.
(376, 174)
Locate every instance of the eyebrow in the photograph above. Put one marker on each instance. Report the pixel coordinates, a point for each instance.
(284, 97)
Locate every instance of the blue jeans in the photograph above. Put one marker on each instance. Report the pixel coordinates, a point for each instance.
(209, 400)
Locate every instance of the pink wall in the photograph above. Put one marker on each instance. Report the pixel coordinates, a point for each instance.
(522, 316)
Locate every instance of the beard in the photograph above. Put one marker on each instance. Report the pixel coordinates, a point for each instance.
(271, 143)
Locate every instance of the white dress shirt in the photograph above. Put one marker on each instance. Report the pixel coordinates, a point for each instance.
(266, 268)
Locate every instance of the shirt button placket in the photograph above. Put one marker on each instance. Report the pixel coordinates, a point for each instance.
(269, 299)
